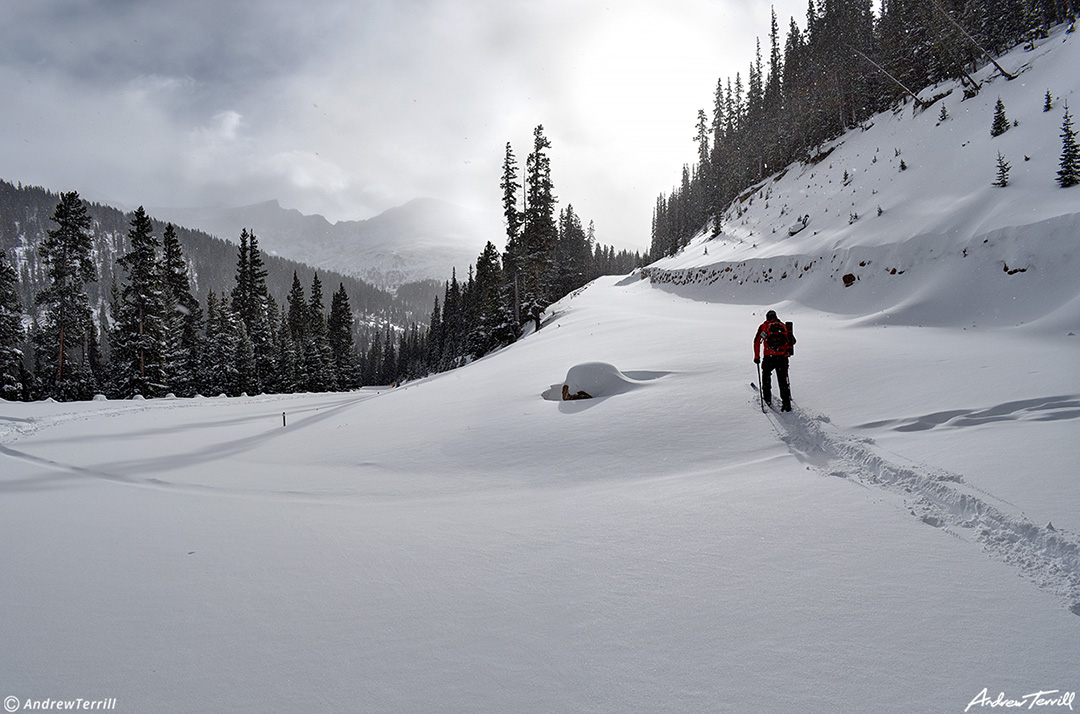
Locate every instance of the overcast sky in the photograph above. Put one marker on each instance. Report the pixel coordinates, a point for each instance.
(350, 107)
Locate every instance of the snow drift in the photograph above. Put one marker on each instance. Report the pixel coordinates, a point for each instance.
(597, 380)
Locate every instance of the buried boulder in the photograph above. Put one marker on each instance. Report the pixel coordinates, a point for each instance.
(594, 380)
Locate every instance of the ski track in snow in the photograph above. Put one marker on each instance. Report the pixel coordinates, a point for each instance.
(1048, 557)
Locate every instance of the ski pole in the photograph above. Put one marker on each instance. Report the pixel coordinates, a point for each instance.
(761, 395)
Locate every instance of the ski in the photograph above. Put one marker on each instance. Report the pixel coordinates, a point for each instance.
(761, 400)
(765, 406)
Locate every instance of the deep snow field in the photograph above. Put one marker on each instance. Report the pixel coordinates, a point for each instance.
(466, 544)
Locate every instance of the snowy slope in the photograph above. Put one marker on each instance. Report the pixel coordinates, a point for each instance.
(947, 245)
(466, 544)
(463, 544)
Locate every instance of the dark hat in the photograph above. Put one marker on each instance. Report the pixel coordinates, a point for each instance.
(770, 315)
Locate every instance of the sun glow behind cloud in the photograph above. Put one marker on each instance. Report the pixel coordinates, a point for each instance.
(348, 109)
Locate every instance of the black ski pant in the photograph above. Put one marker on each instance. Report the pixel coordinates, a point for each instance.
(780, 364)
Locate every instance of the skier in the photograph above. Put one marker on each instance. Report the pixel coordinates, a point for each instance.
(778, 342)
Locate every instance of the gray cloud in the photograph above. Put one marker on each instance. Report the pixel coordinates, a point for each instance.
(349, 108)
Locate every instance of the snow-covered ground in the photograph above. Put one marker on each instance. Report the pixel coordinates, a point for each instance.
(467, 544)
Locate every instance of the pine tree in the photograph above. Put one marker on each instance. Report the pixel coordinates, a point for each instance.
(251, 303)
(1001, 122)
(339, 329)
(539, 233)
(494, 322)
(1002, 171)
(298, 312)
(1069, 173)
(11, 334)
(513, 215)
(138, 336)
(183, 319)
(1048, 102)
(62, 338)
(218, 373)
(318, 356)
(247, 381)
(289, 377)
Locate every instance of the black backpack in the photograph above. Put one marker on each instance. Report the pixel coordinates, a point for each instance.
(778, 338)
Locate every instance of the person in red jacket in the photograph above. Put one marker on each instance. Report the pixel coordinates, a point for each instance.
(777, 341)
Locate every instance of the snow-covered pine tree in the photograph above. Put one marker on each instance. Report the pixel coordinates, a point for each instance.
(11, 334)
(573, 254)
(434, 344)
(1000, 124)
(318, 356)
(62, 334)
(297, 311)
(449, 336)
(138, 334)
(1048, 102)
(183, 319)
(1069, 173)
(288, 378)
(251, 303)
(247, 381)
(539, 233)
(488, 330)
(388, 366)
(1003, 167)
(218, 372)
(339, 332)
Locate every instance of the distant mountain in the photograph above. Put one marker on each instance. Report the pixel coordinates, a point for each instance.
(25, 213)
(423, 239)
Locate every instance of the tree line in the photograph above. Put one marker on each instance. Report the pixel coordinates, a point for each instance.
(549, 254)
(156, 338)
(845, 66)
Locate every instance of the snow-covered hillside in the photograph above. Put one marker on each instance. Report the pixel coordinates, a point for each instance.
(935, 243)
(906, 540)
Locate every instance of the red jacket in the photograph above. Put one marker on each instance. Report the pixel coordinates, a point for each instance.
(762, 333)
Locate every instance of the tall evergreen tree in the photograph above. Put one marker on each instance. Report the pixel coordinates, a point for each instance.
(11, 334)
(298, 312)
(63, 335)
(539, 232)
(251, 303)
(494, 322)
(138, 335)
(339, 328)
(1069, 173)
(318, 356)
(219, 372)
(183, 319)
(511, 213)
(289, 375)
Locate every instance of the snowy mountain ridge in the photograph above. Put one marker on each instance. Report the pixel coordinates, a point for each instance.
(423, 239)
